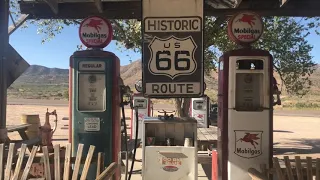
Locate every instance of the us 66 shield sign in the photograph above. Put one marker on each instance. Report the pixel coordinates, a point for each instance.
(172, 57)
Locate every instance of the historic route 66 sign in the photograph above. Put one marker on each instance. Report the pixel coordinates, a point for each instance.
(172, 60)
(172, 56)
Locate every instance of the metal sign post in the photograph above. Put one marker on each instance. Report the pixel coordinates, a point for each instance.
(172, 48)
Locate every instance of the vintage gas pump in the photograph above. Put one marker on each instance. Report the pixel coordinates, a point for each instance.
(245, 101)
(199, 109)
(95, 94)
(144, 110)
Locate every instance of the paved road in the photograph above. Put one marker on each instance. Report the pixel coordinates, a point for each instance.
(42, 102)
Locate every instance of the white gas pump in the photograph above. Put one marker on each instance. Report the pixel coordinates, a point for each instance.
(144, 110)
(245, 101)
(199, 109)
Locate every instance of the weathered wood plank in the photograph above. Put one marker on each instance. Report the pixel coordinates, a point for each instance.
(19, 162)
(108, 173)
(1, 160)
(46, 163)
(99, 164)
(67, 161)
(288, 168)
(87, 163)
(309, 168)
(299, 171)
(29, 163)
(57, 162)
(276, 165)
(7, 173)
(318, 169)
(77, 163)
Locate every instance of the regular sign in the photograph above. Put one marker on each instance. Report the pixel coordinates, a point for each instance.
(172, 48)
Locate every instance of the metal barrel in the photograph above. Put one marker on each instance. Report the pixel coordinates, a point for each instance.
(34, 120)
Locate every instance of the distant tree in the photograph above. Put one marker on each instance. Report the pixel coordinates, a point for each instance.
(66, 94)
(130, 61)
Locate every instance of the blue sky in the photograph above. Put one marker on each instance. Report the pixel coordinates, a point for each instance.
(56, 52)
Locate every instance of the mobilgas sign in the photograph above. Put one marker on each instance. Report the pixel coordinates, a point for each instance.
(245, 27)
(95, 32)
(172, 48)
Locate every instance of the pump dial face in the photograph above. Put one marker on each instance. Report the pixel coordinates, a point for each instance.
(138, 85)
(92, 79)
(92, 92)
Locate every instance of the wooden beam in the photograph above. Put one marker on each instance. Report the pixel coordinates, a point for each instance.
(220, 4)
(132, 10)
(284, 2)
(53, 4)
(17, 24)
(99, 5)
(111, 10)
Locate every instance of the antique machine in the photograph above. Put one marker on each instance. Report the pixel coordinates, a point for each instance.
(46, 133)
(245, 101)
(169, 148)
(200, 110)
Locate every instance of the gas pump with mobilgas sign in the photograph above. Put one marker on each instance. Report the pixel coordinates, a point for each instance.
(199, 109)
(143, 106)
(245, 101)
(94, 94)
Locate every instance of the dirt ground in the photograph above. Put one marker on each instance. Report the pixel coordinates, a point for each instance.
(292, 134)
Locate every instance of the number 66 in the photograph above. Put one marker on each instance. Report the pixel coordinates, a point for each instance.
(177, 60)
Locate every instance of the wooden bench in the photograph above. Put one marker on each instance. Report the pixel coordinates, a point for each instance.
(298, 169)
(206, 138)
(10, 172)
(21, 129)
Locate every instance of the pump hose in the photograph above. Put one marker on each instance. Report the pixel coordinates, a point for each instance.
(126, 137)
(135, 143)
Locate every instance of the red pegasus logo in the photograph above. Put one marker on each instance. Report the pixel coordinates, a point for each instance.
(200, 116)
(246, 18)
(94, 24)
(250, 138)
(140, 116)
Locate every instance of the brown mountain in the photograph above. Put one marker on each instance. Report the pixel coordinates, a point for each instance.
(52, 82)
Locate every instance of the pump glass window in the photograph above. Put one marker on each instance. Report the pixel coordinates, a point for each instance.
(249, 64)
(140, 103)
(199, 105)
(92, 92)
(249, 96)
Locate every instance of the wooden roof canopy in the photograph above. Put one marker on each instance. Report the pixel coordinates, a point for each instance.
(131, 9)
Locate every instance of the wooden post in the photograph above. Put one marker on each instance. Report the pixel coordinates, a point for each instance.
(4, 42)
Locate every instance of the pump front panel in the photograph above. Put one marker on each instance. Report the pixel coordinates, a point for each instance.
(199, 111)
(92, 104)
(143, 111)
(248, 114)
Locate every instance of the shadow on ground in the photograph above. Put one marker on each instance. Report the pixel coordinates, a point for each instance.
(282, 131)
(298, 146)
(207, 168)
